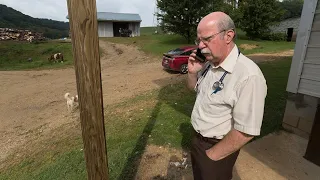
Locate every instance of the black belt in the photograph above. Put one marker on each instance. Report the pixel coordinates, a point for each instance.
(206, 139)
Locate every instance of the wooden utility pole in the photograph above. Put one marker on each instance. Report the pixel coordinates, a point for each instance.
(85, 44)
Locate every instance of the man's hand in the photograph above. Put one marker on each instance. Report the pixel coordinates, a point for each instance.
(194, 66)
(232, 142)
(211, 155)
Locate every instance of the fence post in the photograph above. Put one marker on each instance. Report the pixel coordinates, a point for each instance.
(85, 44)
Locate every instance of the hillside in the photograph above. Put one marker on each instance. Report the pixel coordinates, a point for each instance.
(11, 18)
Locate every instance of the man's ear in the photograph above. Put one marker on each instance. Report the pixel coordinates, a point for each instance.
(230, 36)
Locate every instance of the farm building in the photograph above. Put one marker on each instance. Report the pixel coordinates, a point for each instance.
(117, 24)
(302, 114)
(289, 27)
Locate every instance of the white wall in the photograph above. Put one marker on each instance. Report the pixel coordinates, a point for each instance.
(105, 29)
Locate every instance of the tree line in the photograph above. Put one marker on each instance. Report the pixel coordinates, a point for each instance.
(11, 18)
(252, 16)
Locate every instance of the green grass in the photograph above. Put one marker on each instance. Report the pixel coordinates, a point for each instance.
(15, 55)
(149, 30)
(157, 44)
(69, 165)
(158, 117)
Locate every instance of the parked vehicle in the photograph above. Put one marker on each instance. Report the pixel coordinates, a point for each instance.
(177, 59)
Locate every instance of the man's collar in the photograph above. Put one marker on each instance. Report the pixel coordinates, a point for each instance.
(230, 61)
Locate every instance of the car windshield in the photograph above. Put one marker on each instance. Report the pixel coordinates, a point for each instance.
(175, 51)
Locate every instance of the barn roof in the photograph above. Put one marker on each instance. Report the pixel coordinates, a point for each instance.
(111, 16)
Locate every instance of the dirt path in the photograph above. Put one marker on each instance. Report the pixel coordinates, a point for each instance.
(32, 103)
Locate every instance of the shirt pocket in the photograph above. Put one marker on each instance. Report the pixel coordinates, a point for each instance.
(214, 104)
(215, 98)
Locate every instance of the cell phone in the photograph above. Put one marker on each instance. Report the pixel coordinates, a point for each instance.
(199, 56)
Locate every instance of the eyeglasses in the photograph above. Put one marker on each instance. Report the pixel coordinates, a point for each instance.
(206, 40)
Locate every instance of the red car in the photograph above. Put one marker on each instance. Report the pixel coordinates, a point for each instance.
(177, 59)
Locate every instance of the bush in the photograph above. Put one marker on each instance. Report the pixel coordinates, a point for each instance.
(274, 36)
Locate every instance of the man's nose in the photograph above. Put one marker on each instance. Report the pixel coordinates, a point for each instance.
(201, 45)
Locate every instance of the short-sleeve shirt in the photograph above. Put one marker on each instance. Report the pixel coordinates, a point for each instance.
(239, 105)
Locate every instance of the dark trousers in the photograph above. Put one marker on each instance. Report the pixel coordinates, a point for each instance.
(203, 167)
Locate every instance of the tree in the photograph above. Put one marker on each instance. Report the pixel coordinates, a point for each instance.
(182, 16)
(258, 16)
(292, 8)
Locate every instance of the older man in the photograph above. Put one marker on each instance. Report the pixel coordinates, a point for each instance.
(231, 91)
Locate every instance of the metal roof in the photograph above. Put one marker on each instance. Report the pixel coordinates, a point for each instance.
(111, 16)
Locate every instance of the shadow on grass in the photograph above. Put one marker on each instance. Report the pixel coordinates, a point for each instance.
(130, 169)
(165, 96)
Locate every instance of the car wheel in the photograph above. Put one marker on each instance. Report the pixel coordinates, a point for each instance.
(184, 68)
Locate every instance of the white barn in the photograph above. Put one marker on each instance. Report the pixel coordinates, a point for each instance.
(289, 27)
(302, 114)
(109, 23)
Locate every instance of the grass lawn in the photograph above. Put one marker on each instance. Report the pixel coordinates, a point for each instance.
(15, 55)
(157, 44)
(159, 117)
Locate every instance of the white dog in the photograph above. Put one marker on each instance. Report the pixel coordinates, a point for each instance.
(72, 101)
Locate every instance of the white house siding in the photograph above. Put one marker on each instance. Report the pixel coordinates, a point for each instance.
(310, 74)
(105, 29)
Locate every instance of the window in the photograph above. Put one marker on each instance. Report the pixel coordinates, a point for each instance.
(187, 53)
(176, 51)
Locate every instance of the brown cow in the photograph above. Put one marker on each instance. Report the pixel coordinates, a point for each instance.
(56, 57)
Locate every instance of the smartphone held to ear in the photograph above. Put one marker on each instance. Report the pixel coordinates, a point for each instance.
(199, 56)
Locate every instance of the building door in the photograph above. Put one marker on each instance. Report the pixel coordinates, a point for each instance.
(289, 34)
(117, 26)
(313, 149)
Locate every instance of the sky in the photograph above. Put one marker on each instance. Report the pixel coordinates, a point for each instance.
(57, 9)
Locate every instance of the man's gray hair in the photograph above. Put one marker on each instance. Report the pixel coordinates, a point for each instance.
(226, 23)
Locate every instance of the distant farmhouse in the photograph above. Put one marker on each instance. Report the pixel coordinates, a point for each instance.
(289, 27)
(118, 24)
